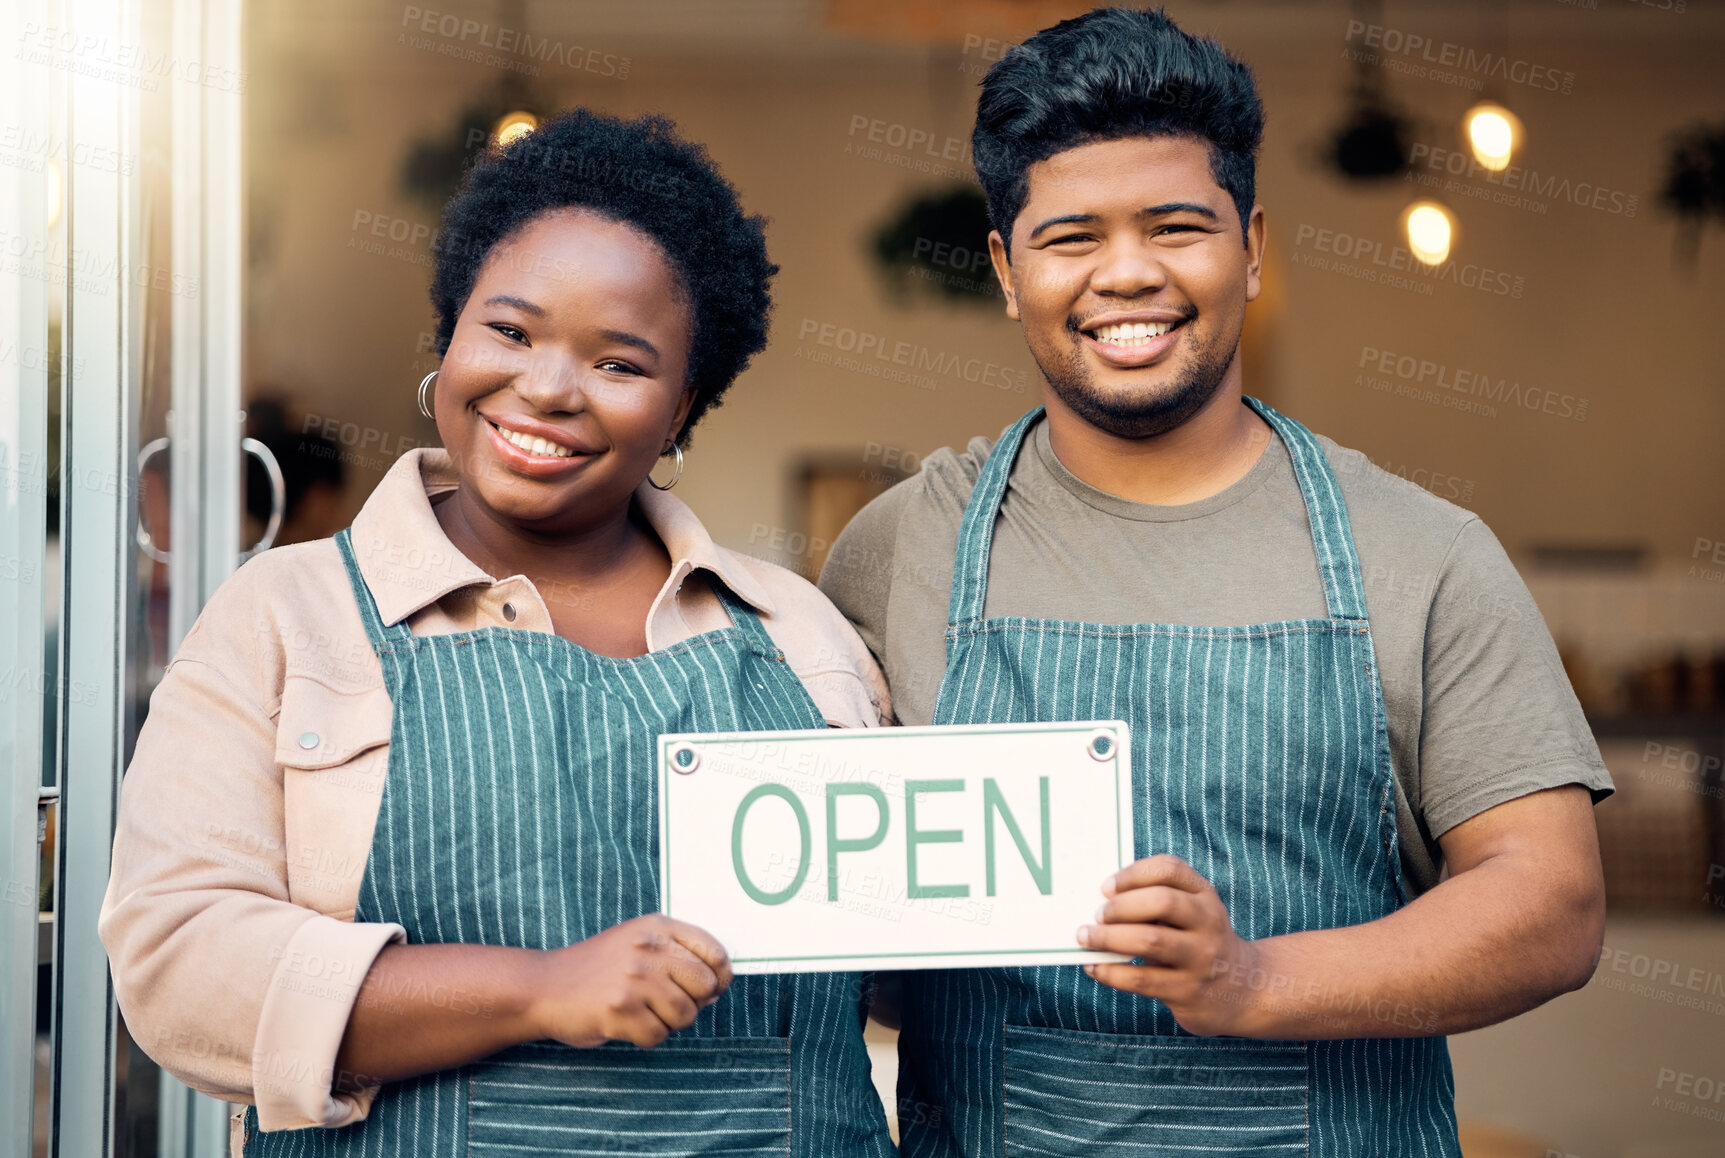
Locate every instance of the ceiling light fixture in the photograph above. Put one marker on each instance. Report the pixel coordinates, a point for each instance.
(1430, 230)
(511, 127)
(1493, 134)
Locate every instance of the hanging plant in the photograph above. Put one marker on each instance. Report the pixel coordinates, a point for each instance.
(937, 246)
(1694, 188)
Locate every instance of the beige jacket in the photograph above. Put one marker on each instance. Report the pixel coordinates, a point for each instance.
(246, 815)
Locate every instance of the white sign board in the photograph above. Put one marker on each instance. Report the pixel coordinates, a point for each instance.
(895, 848)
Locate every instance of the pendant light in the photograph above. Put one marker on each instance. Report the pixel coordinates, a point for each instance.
(1493, 134)
(1490, 131)
(1430, 229)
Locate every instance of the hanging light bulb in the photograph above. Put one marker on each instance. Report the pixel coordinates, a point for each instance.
(1430, 230)
(1493, 133)
(512, 127)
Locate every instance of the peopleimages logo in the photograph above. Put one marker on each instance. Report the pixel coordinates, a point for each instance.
(904, 146)
(1369, 259)
(830, 343)
(1448, 382)
(1423, 57)
(454, 34)
(119, 62)
(1437, 160)
(24, 148)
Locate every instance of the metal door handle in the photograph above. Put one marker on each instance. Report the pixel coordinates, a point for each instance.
(150, 450)
(278, 498)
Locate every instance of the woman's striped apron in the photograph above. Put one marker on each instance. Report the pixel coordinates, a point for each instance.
(519, 810)
(1260, 755)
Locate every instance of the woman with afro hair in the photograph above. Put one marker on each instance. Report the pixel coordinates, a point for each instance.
(385, 866)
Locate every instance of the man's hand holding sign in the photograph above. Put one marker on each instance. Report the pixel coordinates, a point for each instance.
(1162, 912)
(1529, 868)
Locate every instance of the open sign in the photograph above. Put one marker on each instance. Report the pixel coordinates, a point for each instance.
(898, 848)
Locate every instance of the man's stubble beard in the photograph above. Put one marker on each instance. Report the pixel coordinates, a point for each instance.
(1136, 415)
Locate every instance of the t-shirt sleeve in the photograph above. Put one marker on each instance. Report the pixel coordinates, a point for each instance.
(857, 575)
(1500, 718)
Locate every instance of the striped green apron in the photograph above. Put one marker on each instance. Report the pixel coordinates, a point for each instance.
(1260, 755)
(518, 809)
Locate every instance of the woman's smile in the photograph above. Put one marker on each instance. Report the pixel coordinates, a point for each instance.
(537, 449)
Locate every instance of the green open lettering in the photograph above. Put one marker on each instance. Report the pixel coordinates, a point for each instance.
(836, 845)
(912, 838)
(756, 894)
(992, 801)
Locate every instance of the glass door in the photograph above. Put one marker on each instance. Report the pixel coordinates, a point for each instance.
(31, 317)
(120, 467)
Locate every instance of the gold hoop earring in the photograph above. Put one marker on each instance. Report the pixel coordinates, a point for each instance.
(675, 475)
(424, 385)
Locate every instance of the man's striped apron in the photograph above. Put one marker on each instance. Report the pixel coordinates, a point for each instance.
(1260, 755)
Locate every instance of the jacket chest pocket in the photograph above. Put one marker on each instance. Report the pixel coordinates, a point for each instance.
(333, 749)
(1114, 1096)
(683, 1098)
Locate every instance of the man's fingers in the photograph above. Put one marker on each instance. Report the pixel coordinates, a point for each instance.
(1161, 869)
(1147, 981)
(1156, 944)
(1161, 904)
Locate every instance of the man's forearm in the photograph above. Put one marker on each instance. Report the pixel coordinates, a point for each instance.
(1483, 946)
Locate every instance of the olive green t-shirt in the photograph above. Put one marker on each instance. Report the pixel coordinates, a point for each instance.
(1479, 709)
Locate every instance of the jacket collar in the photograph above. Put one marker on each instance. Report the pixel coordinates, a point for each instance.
(409, 563)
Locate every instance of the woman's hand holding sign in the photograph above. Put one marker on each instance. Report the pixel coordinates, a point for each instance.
(425, 1008)
(638, 982)
(1163, 912)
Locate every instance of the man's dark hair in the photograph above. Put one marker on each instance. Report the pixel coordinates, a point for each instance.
(1109, 74)
(641, 174)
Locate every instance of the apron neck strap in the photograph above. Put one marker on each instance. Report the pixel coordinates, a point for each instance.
(375, 630)
(1326, 513)
(976, 533)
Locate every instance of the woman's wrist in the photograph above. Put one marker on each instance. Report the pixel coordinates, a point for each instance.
(523, 992)
(425, 1008)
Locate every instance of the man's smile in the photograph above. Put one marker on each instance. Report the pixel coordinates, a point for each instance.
(1129, 339)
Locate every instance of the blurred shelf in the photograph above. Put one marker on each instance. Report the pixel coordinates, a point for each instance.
(1629, 725)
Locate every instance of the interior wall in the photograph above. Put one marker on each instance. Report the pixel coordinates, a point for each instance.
(1600, 319)
(1598, 309)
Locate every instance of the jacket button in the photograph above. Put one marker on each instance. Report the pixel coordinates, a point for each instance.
(509, 612)
(308, 741)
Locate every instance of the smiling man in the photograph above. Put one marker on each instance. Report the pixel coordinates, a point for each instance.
(1363, 786)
